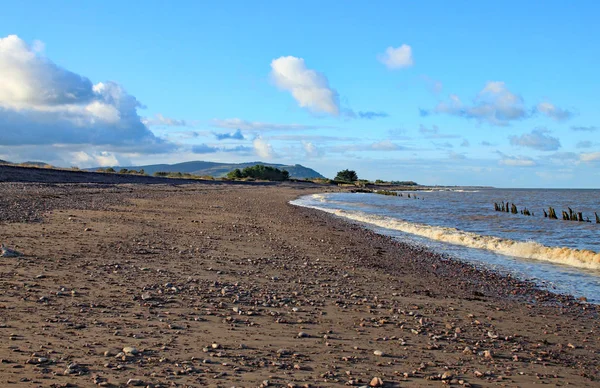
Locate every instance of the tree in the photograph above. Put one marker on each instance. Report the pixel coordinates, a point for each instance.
(123, 171)
(346, 176)
(260, 172)
(235, 174)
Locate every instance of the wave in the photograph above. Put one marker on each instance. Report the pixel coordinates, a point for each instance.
(508, 247)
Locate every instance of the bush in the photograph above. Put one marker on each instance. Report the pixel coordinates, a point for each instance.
(346, 176)
(260, 172)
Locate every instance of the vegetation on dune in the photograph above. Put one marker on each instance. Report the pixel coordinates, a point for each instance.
(261, 172)
(179, 175)
(346, 176)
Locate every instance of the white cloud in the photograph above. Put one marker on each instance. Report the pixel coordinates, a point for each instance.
(308, 87)
(159, 119)
(246, 125)
(588, 157)
(538, 139)
(311, 150)
(93, 159)
(517, 161)
(262, 148)
(397, 58)
(494, 103)
(385, 145)
(42, 103)
(553, 111)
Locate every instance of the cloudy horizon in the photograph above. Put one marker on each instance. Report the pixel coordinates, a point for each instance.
(408, 105)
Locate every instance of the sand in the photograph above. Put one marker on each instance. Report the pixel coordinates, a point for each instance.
(229, 285)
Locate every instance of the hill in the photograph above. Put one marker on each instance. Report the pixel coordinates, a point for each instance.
(219, 169)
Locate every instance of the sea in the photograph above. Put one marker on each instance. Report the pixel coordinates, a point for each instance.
(463, 223)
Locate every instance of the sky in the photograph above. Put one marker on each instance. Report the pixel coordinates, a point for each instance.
(485, 93)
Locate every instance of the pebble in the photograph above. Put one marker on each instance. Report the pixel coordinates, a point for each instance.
(376, 382)
(135, 382)
(303, 335)
(130, 350)
(379, 353)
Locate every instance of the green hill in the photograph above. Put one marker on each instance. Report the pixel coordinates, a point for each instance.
(218, 170)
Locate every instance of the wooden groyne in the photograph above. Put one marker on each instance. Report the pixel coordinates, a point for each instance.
(567, 215)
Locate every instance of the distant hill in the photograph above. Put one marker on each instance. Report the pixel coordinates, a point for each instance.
(218, 170)
(4, 162)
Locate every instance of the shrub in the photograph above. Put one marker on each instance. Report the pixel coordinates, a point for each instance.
(346, 176)
(261, 172)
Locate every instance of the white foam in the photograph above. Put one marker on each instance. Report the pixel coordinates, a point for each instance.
(527, 249)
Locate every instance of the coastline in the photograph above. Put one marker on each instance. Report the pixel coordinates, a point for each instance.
(173, 269)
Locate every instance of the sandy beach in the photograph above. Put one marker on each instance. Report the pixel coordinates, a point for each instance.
(228, 285)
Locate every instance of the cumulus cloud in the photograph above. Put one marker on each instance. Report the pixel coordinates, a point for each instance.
(237, 135)
(584, 129)
(42, 103)
(553, 111)
(465, 143)
(246, 125)
(204, 149)
(311, 150)
(397, 57)
(494, 104)
(538, 139)
(262, 148)
(589, 157)
(308, 87)
(92, 159)
(160, 120)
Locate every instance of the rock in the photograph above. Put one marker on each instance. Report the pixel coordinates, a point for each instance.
(303, 335)
(376, 382)
(135, 382)
(216, 346)
(111, 352)
(379, 353)
(75, 369)
(488, 354)
(467, 350)
(7, 252)
(447, 376)
(130, 350)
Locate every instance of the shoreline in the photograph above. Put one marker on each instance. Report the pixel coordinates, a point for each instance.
(479, 265)
(287, 294)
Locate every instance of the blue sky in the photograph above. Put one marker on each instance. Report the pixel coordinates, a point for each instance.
(463, 93)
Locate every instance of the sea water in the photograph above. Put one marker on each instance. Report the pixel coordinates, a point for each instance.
(562, 256)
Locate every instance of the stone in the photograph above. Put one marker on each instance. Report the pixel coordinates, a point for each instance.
(7, 252)
(135, 382)
(376, 382)
(303, 335)
(379, 353)
(130, 350)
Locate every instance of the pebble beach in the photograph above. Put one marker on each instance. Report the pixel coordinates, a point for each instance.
(165, 283)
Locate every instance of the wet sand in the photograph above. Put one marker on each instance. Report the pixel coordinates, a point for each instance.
(229, 285)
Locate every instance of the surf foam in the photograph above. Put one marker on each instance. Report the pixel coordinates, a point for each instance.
(508, 247)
